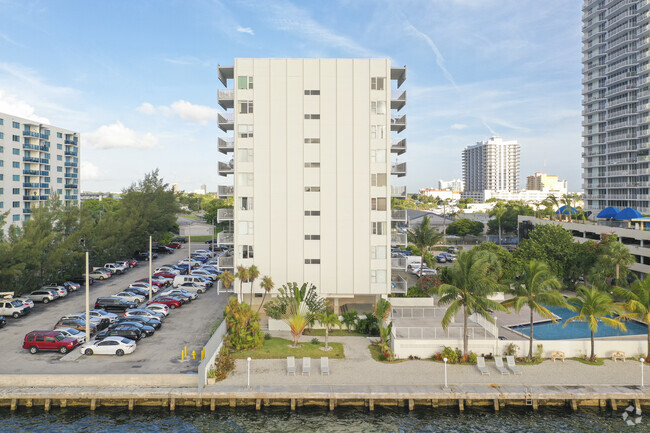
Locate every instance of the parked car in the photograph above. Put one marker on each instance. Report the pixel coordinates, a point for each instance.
(116, 268)
(13, 308)
(131, 263)
(67, 285)
(43, 295)
(108, 270)
(144, 255)
(111, 317)
(166, 269)
(157, 283)
(193, 262)
(109, 346)
(82, 280)
(180, 293)
(158, 308)
(147, 330)
(181, 239)
(199, 279)
(441, 259)
(170, 301)
(73, 333)
(137, 291)
(164, 274)
(145, 312)
(208, 253)
(144, 286)
(165, 280)
(161, 249)
(117, 330)
(26, 301)
(114, 304)
(49, 340)
(58, 288)
(130, 297)
(449, 257)
(78, 324)
(154, 322)
(97, 321)
(174, 245)
(405, 252)
(425, 271)
(453, 250)
(192, 287)
(205, 273)
(99, 274)
(3, 321)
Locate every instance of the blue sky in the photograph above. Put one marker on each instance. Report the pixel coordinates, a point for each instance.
(138, 78)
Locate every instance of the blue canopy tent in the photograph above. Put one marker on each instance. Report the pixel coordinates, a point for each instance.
(627, 214)
(608, 212)
(567, 210)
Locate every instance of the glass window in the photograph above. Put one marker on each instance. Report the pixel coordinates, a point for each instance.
(377, 83)
(378, 252)
(16, 177)
(377, 131)
(2, 149)
(15, 204)
(15, 151)
(15, 191)
(245, 107)
(59, 158)
(378, 107)
(378, 179)
(2, 205)
(2, 163)
(245, 227)
(15, 138)
(378, 276)
(246, 251)
(59, 180)
(2, 190)
(16, 218)
(59, 146)
(59, 135)
(312, 261)
(15, 125)
(2, 122)
(378, 155)
(378, 228)
(312, 189)
(312, 140)
(245, 131)
(246, 203)
(312, 237)
(378, 203)
(244, 82)
(245, 155)
(2, 135)
(312, 116)
(245, 179)
(15, 164)
(59, 169)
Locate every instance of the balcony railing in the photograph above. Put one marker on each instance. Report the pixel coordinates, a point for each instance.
(73, 142)
(398, 191)
(31, 134)
(71, 186)
(397, 99)
(226, 168)
(27, 210)
(70, 152)
(398, 123)
(226, 121)
(225, 214)
(225, 238)
(399, 146)
(226, 98)
(398, 285)
(70, 197)
(398, 170)
(398, 74)
(71, 175)
(398, 263)
(30, 197)
(30, 185)
(397, 239)
(226, 144)
(70, 164)
(226, 262)
(225, 73)
(398, 215)
(30, 159)
(225, 191)
(31, 172)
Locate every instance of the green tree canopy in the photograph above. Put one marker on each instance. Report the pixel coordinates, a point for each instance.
(509, 212)
(464, 227)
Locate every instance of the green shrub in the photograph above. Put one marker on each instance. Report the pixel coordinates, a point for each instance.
(369, 325)
(511, 349)
(243, 324)
(267, 336)
(223, 364)
(315, 341)
(538, 353)
(452, 355)
(472, 358)
(381, 357)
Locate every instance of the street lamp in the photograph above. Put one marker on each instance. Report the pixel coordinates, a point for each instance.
(445, 359)
(189, 250)
(82, 241)
(249, 373)
(642, 361)
(150, 260)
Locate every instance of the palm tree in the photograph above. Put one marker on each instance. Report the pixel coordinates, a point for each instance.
(226, 278)
(253, 273)
(637, 302)
(567, 201)
(423, 236)
(445, 202)
(382, 310)
(612, 254)
(473, 278)
(267, 284)
(536, 286)
(554, 204)
(593, 306)
(350, 318)
(242, 275)
(328, 319)
(498, 211)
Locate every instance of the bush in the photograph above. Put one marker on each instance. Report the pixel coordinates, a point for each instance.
(452, 355)
(369, 325)
(511, 349)
(381, 357)
(223, 364)
(267, 336)
(538, 353)
(472, 358)
(314, 340)
(243, 324)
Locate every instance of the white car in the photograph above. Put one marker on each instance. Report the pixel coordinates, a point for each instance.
(208, 253)
(192, 287)
(167, 269)
(100, 275)
(26, 301)
(82, 316)
(190, 262)
(145, 312)
(101, 314)
(60, 290)
(129, 297)
(425, 271)
(141, 285)
(109, 346)
(74, 333)
(159, 308)
(117, 269)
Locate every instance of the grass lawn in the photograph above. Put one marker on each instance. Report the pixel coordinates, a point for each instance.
(191, 216)
(201, 238)
(280, 348)
(375, 352)
(599, 361)
(333, 333)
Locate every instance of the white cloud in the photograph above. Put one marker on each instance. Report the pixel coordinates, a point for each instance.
(89, 170)
(12, 105)
(119, 136)
(146, 108)
(201, 114)
(458, 126)
(248, 30)
(440, 60)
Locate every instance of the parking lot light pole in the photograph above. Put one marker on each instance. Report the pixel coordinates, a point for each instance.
(82, 241)
(249, 373)
(445, 360)
(642, 361)
(150, 260)
(189, 250)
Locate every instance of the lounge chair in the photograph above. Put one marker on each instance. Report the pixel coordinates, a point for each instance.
(498, 362)
(291, 365)
(512, 366)
(480, 363)
(306, 366)
(324, 366)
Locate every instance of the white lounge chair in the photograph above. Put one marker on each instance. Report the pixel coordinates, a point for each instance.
(291, 365)
(512, 366)
(324, 366)
(480, 363)
(306, 366)
(498, 362)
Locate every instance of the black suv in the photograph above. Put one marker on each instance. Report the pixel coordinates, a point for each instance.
(130, 332)
(144, 255)
(161, 249)
(114, 304)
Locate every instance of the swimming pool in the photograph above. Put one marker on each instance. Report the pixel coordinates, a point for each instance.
(555, 331)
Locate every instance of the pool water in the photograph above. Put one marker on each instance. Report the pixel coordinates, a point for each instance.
(555, 331)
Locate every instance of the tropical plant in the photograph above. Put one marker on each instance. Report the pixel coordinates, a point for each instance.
(381, 310)
(473, 278)
(242, 275)
(637, 302)
(612, 257)
(226, 278)
(554, 204)
(350, 318)
(253, 273)
(498, 211)
(267, 284)
(297, 306)
(592, 306)
(328, 319)
(243, 326)
(424, 237)
(536, 287)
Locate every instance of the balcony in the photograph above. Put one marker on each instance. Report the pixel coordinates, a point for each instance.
(226, 262)
(30, 159)
(70, 197)
(26, 210)
(398, 123)
(71, 153)
(225, 238)
(70, 175)
(399, 170)
(225, 214)
(398, 215)
(31, 134)
(398, 263)
(226, 98)
(224, 191)
(226, 121)
(398, 285)
(70, 164)
(226, 169)
(226, 144)
(31, 172)
(225, 73)
(30, 197)
(73, 142)
(71, 186)
(398, 191)
(397, 99)
(398, 239)
(399, 146)
(398, 74)
(30, 185)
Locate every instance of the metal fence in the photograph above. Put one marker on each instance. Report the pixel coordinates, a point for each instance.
(435, 332)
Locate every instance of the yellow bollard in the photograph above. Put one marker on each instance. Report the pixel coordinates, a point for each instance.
(202, 353)
(194, 354)
(185, 351)
(182, 355)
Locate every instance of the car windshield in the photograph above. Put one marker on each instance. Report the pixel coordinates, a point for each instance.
(60, 337)
(125, 341)
(16, 303)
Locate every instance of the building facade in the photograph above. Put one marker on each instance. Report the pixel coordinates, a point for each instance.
(314, 144)
(616, 104)
(37, 161)
(453, 185)
(490, 165)
(546, 182)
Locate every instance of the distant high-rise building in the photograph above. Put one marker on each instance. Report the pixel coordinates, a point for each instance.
(546, 182)
(616, 104)
(175, 188)
(204, 189)
(490, 165)
(36, 162)
(452, 185)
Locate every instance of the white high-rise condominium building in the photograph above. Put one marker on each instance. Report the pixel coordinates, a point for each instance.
(452, 185)
(616, 104)
(36, 161)
(490, 165)
(314, 145)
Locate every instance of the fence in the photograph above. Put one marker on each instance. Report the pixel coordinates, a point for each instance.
(438, 332)
(490, 327)
(211, 350)
(418, 313)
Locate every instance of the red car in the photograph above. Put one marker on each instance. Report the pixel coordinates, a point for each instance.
(154, 282)
(166, 300)
(165, 275)
(175, 245)
(49, 340)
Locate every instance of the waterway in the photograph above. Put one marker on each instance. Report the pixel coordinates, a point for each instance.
(344, 420)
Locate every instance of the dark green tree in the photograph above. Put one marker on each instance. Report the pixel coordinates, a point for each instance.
(464, 227)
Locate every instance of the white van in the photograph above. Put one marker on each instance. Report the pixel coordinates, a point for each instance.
(180, 279)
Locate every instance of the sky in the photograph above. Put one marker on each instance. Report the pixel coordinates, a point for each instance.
(138, 78)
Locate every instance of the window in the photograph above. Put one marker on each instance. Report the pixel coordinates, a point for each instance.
(378, 155)
(377, 131)
(245, 227)
(312, 116)
(16, 218)
(47, 179)
(244, 82)
(15, 138)
(378, 107)
(2, 205)
(378, 276)
(2, 190)
(312, 92)
(59, 180)
(59, 158)
(2, 149)
(59, 135)
(312, 213)
(246, 251)
(378, 203)
(312, 189)
(15, 191)
(312, 237)
(16, 178)
(245, 131)
(2, 163)
(59, 169)
(15, 204)
(2, 177)
(2, 122)
(312, 140)
(378, 228)
(312, 261)
(245, 179)
(377, 83)
(378, 252)
(245, 107)
(312, 164)
(59, 191)
(246, 203)
(2, 135)
(378, 179)
(245, 155)
(15, 125)
(15, 164)
(59, 146)
(15, 151)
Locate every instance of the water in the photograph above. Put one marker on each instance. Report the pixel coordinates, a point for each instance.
(345, 420)
(555, 331)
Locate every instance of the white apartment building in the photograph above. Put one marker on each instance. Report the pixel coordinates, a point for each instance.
(36, 161)
(453, 185)
(616, 104)
(546, 182)
(490, 165)
(314, 144)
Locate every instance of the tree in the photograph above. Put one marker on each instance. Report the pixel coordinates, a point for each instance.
(424, 237)
(473, 278)
(498, 211)
(553, 203)
(535, 287)
(328, 319)
(227, 278)
(382, 310)
(253, 273)
(464, 227)
(444, 203)
(637, 302)
(267, 284)
(510, 267)
(242, 275)
(593, 306)
(244, 331)
(350, 318)
(612, 257)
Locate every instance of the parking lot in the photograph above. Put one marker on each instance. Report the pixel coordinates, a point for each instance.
(160, 353)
